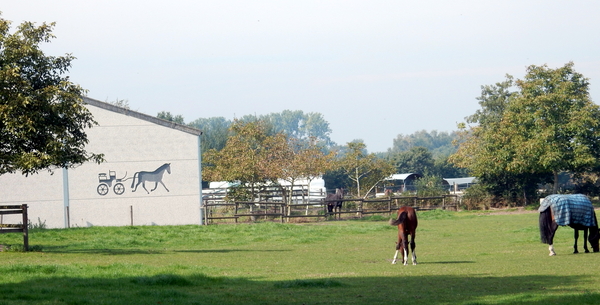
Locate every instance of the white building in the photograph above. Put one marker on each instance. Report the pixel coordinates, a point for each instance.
(123, 190)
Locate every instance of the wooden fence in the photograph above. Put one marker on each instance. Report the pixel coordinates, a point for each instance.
(12, 228)
(243, 211)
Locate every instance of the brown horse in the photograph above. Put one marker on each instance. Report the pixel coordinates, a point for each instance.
(407, 225)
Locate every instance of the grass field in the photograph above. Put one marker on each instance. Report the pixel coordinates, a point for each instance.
(464, 258)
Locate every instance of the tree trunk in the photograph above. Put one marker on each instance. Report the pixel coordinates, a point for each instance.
(555, 188)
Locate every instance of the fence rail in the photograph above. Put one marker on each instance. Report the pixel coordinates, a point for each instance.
(214, 210)
(15, 228)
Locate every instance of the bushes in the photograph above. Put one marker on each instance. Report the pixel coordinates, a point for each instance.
(476, 197)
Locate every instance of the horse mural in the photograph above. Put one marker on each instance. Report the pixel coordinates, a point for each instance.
(575, 211)
(155, 176)
(407, 225)
(334, 202)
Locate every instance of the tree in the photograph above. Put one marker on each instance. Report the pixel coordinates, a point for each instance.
(548, 125)
(42, 114)
(364, 169)
(297, 124)
(416, 160)
(120, 103)
(305, 160)
(250, 156)
(165, 115)
(215, 132)
(438, 143)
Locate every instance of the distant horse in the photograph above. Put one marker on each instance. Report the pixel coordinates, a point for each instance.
(155, 176)
(407, 225)
(576, 211)
(334, 201)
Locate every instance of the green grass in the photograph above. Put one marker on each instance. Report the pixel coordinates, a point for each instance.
(464, 258)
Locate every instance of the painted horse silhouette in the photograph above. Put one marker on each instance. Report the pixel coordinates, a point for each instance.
(155, 176)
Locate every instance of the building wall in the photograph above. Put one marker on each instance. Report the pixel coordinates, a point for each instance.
(132, 145)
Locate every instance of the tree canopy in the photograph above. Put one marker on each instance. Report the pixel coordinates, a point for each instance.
(253, 157)
(42, 114)
(549, 124)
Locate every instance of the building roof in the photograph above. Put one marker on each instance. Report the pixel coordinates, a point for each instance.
(403, 176)
(141, 116)
(466, 180)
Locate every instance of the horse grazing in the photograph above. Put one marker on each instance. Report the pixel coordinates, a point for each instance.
(155, 176)
(407, 225)
(334, 202)
(576, 211)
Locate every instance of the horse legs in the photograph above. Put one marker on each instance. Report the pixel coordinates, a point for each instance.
(585, 240)
(576, 235)
(412, 248)
(144, 186)
(395, 258)
(551, 249)
(585, 236)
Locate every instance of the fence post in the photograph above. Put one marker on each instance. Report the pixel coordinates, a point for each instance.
(25, 228)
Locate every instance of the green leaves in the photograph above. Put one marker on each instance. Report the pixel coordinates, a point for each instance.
(42, 116)
(548, 125)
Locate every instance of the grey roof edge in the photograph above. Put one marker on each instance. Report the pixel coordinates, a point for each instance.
(141, 116)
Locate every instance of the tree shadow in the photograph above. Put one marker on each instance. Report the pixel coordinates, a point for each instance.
(117, 251)
(227, 251)
(202, 289)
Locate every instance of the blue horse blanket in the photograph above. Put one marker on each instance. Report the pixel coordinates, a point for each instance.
(570, 209)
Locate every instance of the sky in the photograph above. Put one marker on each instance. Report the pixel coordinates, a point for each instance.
(373, 69)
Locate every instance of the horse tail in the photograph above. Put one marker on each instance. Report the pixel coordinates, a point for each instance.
(547, 226)
(399, 220)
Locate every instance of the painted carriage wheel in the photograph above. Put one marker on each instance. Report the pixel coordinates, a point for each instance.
(102, 189)
(119, 188)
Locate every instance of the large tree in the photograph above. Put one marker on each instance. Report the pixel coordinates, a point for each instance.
(549, 124)
(42, 114)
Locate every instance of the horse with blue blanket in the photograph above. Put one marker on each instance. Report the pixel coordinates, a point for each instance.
(575, 211)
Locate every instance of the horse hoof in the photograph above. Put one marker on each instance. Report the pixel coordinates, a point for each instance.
(414, 263)
(552, 254)
(575, 252)
(587, 251)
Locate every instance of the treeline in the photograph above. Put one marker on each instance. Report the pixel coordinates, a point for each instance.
(422, 152)
(542, 129)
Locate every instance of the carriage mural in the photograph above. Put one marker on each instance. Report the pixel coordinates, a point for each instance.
(106, 180)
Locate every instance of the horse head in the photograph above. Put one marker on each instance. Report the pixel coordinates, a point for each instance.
(594, 239)
(168, 167)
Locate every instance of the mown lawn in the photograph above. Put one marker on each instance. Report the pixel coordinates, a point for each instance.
(464, 258)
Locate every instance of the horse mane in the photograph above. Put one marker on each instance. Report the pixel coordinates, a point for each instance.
(547, 226)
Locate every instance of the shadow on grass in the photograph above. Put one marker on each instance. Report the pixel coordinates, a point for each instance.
(227, 251)
(202, 289)
(114, 251)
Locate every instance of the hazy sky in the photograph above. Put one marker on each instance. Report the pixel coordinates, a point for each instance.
(374, 69)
